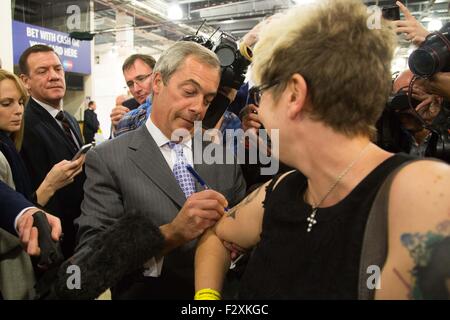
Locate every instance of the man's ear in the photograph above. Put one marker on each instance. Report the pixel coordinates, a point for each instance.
(157, 82)
(25, 82)
(297, 90)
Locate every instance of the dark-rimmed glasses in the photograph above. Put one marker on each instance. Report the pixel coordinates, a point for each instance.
(138, 80)
(259, 90)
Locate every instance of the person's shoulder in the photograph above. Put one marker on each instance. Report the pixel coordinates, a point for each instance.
(31, 109)
(420, 193)
(423, 175)
(424, 169)
(132, 137)
(117, 142)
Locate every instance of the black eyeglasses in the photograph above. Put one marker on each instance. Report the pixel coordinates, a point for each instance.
(258, 91)
(138, 80)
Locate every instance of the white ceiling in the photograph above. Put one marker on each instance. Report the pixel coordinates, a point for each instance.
(152, 28)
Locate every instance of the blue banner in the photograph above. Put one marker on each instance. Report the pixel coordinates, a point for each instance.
(75, 54)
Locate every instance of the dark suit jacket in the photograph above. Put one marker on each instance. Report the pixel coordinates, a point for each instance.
(19, 172)
(44, 145)
(90, 126)
(130, 174)
(11, 203)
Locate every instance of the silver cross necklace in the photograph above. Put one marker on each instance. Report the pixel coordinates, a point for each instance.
(312, 217)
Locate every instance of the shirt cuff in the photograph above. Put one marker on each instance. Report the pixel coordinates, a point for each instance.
(153, 267)
(18, 217)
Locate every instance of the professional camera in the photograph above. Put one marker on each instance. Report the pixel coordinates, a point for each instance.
(234, 60)
(432, 56)
(399, 102)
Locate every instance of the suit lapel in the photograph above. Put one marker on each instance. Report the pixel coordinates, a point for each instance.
(149, 159)
(50, 123)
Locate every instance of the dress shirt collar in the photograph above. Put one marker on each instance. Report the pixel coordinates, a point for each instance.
(159, 137)
(52, 110)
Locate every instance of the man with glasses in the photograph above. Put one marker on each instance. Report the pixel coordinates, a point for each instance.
(137, 70)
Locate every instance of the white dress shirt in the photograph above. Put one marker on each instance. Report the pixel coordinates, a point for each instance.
(53, 112)
(153, 267)
(162, 142)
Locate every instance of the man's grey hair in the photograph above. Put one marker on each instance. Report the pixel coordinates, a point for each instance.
(173, 58)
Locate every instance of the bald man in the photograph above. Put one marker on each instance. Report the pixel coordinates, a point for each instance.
(428, 106)
(416, 138)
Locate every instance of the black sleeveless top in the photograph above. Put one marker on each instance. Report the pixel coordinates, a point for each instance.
(290, 263)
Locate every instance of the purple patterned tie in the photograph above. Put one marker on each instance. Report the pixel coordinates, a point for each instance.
(182, 175)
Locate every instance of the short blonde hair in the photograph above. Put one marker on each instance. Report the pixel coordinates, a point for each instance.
(346, 65)
(17, 137)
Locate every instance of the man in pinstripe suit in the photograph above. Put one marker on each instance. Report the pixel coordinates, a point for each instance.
(134, 173)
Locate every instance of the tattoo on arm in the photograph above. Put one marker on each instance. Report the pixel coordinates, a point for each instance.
(431, 255)
(248, 199)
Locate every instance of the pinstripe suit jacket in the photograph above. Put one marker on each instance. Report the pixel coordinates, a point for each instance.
(129, 174)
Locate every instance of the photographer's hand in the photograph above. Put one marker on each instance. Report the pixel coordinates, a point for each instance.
(413, 29)
(439, 84)
(250, 119)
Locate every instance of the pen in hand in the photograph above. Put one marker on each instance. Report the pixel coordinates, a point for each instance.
(199, 179)
(205, 186)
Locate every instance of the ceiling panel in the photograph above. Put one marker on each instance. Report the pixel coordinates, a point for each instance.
(235, 17)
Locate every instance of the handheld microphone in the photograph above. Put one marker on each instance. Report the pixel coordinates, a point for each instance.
(119, 250)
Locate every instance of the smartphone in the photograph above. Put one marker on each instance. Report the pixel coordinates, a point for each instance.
(131, 104)
(83, 150)
(391, 12)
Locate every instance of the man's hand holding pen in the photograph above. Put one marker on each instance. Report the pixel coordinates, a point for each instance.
(200, 211)
(236, 251)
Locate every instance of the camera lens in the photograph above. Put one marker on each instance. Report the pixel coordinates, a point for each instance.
(423, 63)
(432, 56)
(226, 56)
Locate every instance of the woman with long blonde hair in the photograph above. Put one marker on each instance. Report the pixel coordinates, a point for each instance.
(13, 98)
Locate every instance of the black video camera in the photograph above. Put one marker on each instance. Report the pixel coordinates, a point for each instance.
(399, 102)
(234, 60)
(432, 56)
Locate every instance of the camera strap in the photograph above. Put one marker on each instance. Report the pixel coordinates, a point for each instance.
(442, 37)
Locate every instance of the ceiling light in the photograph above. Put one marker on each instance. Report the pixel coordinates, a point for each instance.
(174, 12)
(229, 21)
(144, 6)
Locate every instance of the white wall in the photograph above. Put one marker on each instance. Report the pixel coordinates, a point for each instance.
(6, 49)
(107, 83)
(74, 103)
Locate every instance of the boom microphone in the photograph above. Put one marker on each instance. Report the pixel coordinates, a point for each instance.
(105, 260)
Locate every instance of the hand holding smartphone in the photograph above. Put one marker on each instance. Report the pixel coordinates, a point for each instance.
(391, 12)
(83, 150)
